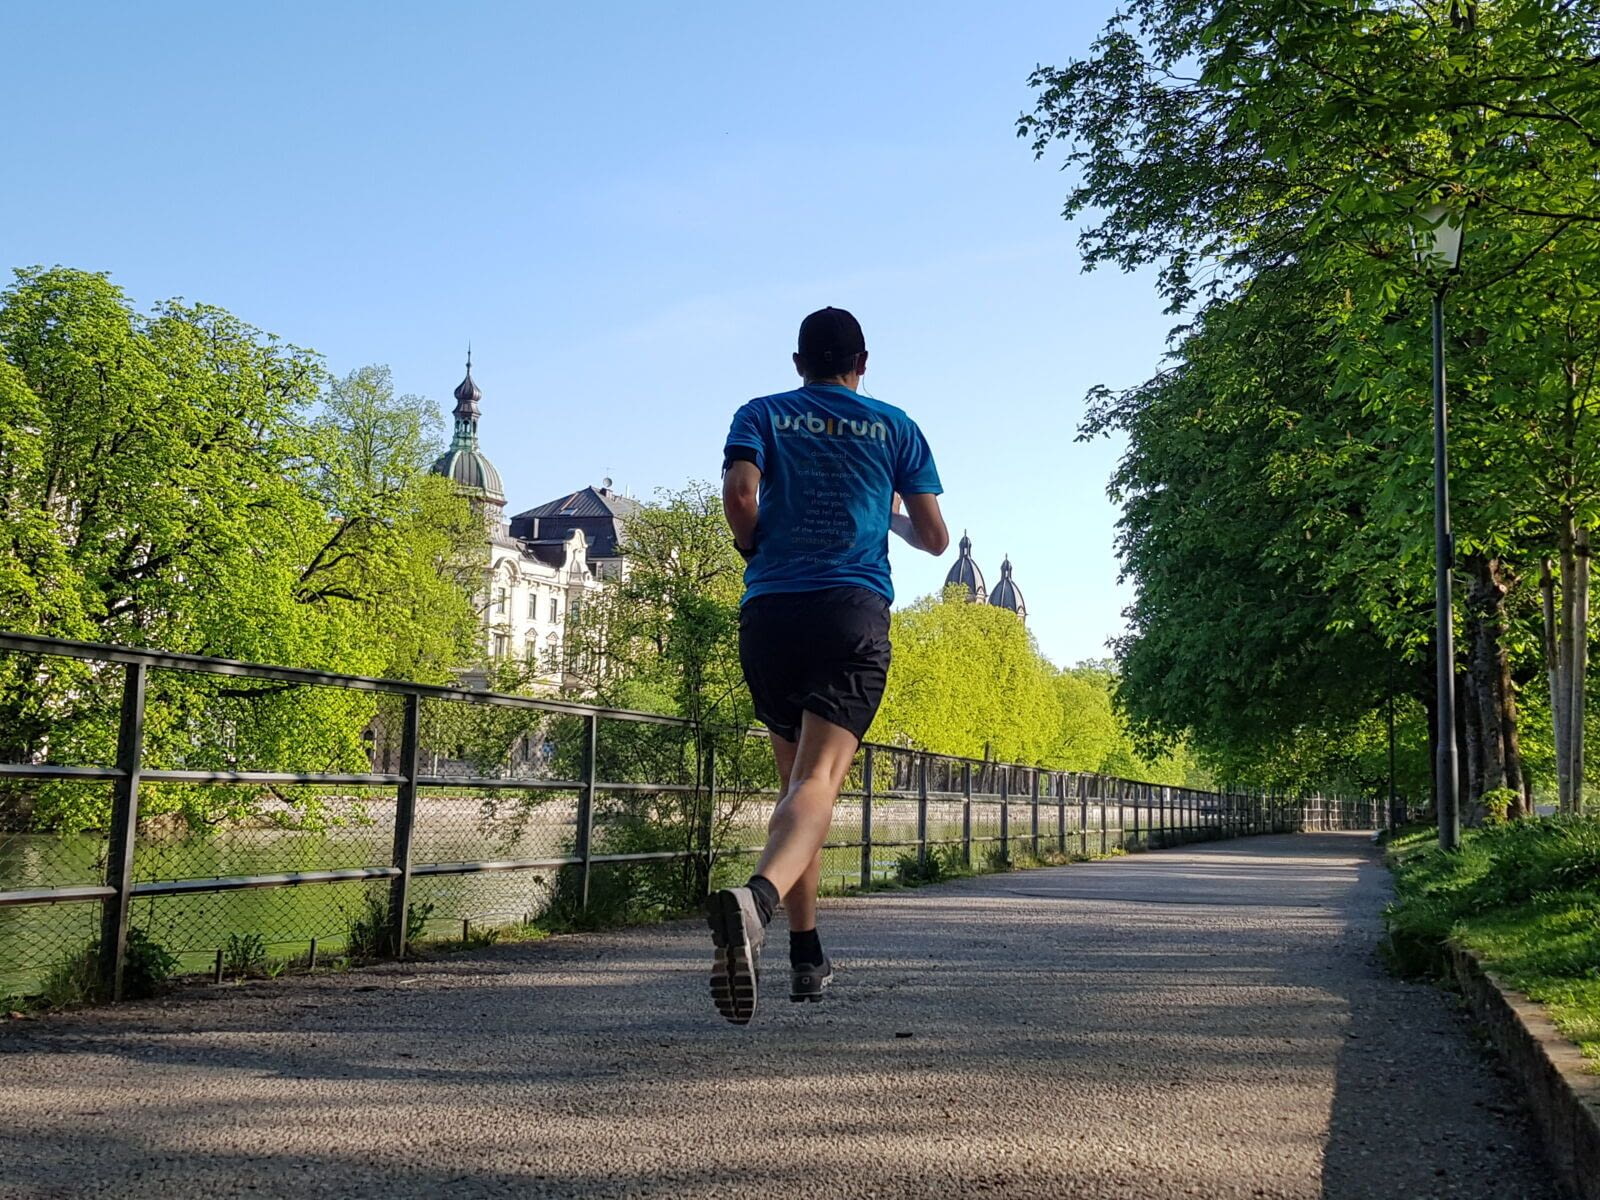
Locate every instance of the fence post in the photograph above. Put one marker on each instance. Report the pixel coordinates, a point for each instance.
(966, 813)
(868, 774)
(1100, 794)
(1059, 782)
(405, 821)
(124, 834)
(1036, 812)
(591, 755)
(709, 817)
(1005, 812)
(922, 810)
(1083, 812)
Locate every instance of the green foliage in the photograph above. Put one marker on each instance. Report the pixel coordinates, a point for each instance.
(940, 863)
(1498, 804)
(996, 858)
(1524, 894)
(243, 953)
(369, 934)
(147, 966)
(1271, 160)
(180, 479)
(74, 979)
(969, 679)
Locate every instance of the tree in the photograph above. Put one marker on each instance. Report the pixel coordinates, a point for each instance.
(1278, 154)
(176, 480)
(967, 679)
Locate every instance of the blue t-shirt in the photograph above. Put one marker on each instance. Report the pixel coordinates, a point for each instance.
(830, 460)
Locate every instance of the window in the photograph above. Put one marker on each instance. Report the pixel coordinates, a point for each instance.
(555, 610)
(533, 606)
(502, 602)
(574, 608)
(502, 645)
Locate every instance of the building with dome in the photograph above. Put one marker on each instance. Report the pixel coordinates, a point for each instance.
(539, 566)
(966, 575)
(1006, 593)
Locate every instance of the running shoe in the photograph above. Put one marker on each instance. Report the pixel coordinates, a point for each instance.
(807, 982)
(737, 934)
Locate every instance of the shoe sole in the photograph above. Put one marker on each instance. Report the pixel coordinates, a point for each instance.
(733, 975)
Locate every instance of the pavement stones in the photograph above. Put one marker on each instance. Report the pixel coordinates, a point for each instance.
(1206, 1022)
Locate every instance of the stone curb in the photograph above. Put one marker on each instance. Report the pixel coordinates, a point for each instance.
(1559, 1083)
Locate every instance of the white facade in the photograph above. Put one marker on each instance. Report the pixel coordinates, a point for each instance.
(528, 600)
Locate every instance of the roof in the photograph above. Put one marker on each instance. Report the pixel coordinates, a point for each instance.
(600, 512)
(965, 574)
(1006, 593)
(471, 472)
(589, 502)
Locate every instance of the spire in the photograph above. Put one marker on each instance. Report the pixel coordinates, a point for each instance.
(463, 464)
(1007, 594)
(965, 574)
(466, 410)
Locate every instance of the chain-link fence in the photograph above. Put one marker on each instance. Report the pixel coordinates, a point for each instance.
(246, 815)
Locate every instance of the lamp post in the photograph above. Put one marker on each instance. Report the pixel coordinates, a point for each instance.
(1438, 247)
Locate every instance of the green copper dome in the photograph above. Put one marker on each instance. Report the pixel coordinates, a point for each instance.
(464, 464)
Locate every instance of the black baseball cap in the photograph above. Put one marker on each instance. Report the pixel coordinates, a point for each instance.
(831, 337)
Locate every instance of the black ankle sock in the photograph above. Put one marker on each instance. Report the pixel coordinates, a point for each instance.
(766, 897)
(805, 948)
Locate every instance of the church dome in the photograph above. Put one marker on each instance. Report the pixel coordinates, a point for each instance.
(1006, 593)
(472, 472)
(965, 574)
(464, 464)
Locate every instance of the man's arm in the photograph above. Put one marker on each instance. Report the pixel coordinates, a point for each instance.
(740, 484)
(921, 525)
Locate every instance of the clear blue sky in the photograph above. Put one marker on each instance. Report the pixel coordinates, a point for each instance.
(626, 207)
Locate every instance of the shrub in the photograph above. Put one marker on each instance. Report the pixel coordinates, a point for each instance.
(73, 980)
(243, 953)
(146, 967)
(368, 935)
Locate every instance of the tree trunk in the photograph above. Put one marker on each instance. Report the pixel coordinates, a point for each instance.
(1563, 715)
(1547, 592)
(1466, 747)
(1580, 664)
(1430, 704)
(1485, 629)
(1474, 756)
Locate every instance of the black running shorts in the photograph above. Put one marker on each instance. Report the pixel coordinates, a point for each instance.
(824, 652)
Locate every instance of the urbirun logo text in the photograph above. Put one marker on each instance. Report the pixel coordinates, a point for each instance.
(830, 426)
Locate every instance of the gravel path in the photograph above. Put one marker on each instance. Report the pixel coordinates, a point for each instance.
(1209, 1022)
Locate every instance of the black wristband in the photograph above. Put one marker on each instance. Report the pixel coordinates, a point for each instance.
(747, 555)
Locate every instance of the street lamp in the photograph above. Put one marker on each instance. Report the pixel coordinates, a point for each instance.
(1438, 250)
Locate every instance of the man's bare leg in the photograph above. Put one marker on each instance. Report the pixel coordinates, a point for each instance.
(790, 866)
(801, 901)
(799, 825)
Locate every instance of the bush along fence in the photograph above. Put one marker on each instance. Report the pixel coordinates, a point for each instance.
(163, 812)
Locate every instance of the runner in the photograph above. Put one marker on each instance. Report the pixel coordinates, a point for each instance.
(812, 484)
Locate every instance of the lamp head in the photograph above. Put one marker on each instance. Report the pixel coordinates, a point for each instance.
(1440, 242)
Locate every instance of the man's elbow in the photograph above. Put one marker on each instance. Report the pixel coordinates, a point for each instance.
(936, 542)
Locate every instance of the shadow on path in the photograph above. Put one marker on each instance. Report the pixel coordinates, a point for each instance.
(1208, 1022)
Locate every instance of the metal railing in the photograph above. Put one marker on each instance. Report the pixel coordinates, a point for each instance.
(592, 789)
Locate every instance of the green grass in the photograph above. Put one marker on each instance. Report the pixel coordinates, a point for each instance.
(1524, 896)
